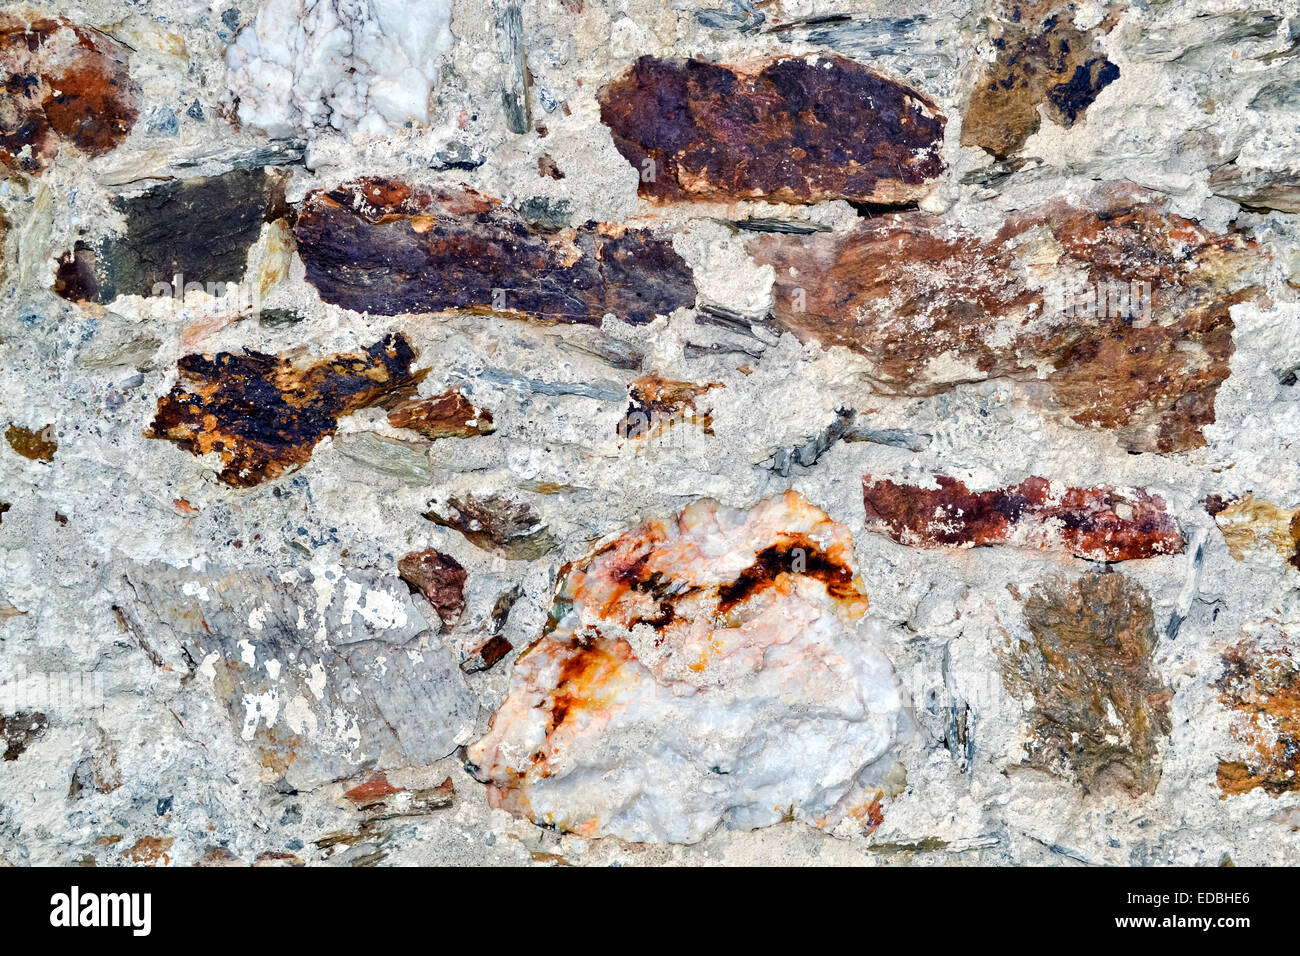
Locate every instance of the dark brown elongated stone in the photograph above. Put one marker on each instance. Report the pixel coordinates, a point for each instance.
(199, 229)
(449, 415)
(1043, 60)
(389, 248)
(931, 305)
(1100, 524)
(63, 84)
(789, 129)
(264, 414)
(1099, 705)
(1261, 684)
(440, 578)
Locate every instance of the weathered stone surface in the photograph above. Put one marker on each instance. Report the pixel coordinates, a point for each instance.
(64, 85)
(38, 444)
(390, 248)
(483, 656)
(1043, 60)
(931, 305)
(790, 129)
(1252, 526)
(657, 403)
(710, 668)
(321, 677)
(264, 414)
(1261, 683)
(449, 415)
(1098, 706)
(507, 528)
(1100, 524)
(198, 229)
(440, 578)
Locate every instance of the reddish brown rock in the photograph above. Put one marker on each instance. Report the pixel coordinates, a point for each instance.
(1100, 524)
(790, 129)
(264, 414)
(149, 850)
(1098, 705)
(931, 305)
(449, 415)
(509, 529)
(1261, 683)
(38, 444)
(64, 85)
(485, 655)
(440, 578)
(388, 248)
(373, 790)
(1044, 60)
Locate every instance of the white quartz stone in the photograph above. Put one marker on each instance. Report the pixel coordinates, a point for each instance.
(354, 65)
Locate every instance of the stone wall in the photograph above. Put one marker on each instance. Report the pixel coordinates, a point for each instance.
(727, 431)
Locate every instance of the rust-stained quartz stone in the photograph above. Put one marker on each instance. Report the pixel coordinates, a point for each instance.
(1261, 683)
(930, 305)
(1252, 526)
(712, 667)
(389, 248)
(448, 415)
(63, 84)
(1100, 524)
(264, 414)
(1098, 706)
(1044, 60)
(790, 129)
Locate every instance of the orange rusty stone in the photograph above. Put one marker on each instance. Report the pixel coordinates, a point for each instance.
(930, 305)
(449, 415)
(38, 444)
(788, 129)
(1099, 524)
(388, 248)
(1253, 525)
(376, 788)
(658, 403)
(1261, 683)
(1042, 59)
(149, 850)
(64, 84)
(264, 414)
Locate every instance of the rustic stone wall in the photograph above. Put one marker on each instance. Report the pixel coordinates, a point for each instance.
(720, 431)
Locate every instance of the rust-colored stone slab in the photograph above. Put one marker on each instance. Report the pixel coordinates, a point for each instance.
(449, 415)
(63, 84)
(790, 129)
(264, 414)
(1100, 524)
(1261, 683)
(1099, 706)
(388, 248)
(931, 305)
(1043, 59)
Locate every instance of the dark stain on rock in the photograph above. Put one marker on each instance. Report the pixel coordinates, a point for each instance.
(487, 654)
(440, 578)
(1042, 59)
(799, 129)
(199, 229)
(37, 444)
(1100, 524)
(792, 554)
(387, 248)
(20, 730)
(264, 414)
(63, 84)
(1261, 683)
(905, 291)
(1098, 705)
(658, 403)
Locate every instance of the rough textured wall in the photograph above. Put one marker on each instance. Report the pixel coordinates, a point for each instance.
(713, 431)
